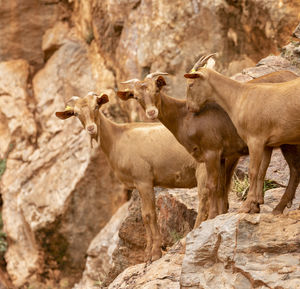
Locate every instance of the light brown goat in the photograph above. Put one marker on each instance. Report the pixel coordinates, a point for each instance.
(142, 155)
(208, 135)
(265, 115)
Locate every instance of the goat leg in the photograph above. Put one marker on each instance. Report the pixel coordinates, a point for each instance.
(153, 248)
(256, 151)
(292, 156)
(202, 195)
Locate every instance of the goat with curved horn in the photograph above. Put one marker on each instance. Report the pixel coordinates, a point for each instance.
(153, 74)
(134, 80)
(202, 60)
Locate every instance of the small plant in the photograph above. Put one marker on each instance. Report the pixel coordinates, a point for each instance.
(2, 166)
(241, 186)
(176, 236)
(90, 36)
(3, 243)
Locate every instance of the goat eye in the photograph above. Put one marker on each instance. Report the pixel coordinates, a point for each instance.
(96, 107)
(75, 114)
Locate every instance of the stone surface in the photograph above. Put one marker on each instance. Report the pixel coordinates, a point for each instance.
(163, 273)
(99, 254)
(22, 25)
(146, 36)
(243, 251)
(65, 191)
(176, 215)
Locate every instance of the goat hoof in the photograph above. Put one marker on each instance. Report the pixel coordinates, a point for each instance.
(254, 208)
(249, 207)
(277, 210)
(156, 256)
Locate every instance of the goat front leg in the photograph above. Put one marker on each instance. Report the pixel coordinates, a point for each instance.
(212, 162)
(256, 151)
(292, 156)
(153, 248)
(267, 153)
(202, 194)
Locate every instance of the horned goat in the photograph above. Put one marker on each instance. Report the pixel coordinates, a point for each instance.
(208, 135)
(266, 115)
(142, 155)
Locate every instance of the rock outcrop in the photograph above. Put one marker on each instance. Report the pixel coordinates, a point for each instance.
(238, 251)
(122, 242)
(243, 251)
(57, 192)
(64, 191)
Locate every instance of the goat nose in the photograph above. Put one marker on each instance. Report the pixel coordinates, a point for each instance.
(151, 112)
(90, 128)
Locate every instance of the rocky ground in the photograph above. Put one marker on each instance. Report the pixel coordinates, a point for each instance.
(65, 215)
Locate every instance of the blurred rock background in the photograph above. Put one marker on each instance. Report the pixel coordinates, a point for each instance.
(59, 196)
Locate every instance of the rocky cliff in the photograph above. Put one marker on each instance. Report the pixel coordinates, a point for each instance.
(58, 193)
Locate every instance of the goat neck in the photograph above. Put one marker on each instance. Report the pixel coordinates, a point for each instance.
(226, 91)
(108, 132)
(170, 111)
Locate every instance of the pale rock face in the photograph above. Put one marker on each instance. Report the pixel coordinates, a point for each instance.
(146, 36)
(163, 273)
(99, 260)
(243, 251)
(22, 26)
(54, 182)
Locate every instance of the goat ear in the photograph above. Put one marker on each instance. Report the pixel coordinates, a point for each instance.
(197, 74)
(192, 75)
(103, 98)
(160, 82)
(65, 114)
(125, 95)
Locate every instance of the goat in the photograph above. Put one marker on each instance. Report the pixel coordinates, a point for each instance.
(208, 135)
(266, 115)
(142, 155)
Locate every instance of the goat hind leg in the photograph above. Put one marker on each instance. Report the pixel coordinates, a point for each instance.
(153, 249)
(202, 195)
(213, 166)
(292, 156)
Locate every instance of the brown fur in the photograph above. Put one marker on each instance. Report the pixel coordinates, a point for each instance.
(142, 155)
(266, 115)
(209, 136)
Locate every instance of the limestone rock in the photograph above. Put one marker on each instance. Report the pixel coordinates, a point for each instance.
(243, 251)
(64, 190)
(22, 25)
(176, 214)
(163, 273)
(99, 261)
(146, 36)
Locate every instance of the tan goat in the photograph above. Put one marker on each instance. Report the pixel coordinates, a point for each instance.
(265, 116)
(142, 155)
(211, 131)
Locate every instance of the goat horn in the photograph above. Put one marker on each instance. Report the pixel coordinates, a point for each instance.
(73, 98)
(202, 61)
(134, 80)
(153, 74)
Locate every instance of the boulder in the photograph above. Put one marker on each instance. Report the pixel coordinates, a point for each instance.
(99, 254)
(176, 215)
(22, 25)
(64, 191)
(243, 251)
(138, 37)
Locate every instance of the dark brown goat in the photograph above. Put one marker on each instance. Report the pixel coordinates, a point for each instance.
(209, 136)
